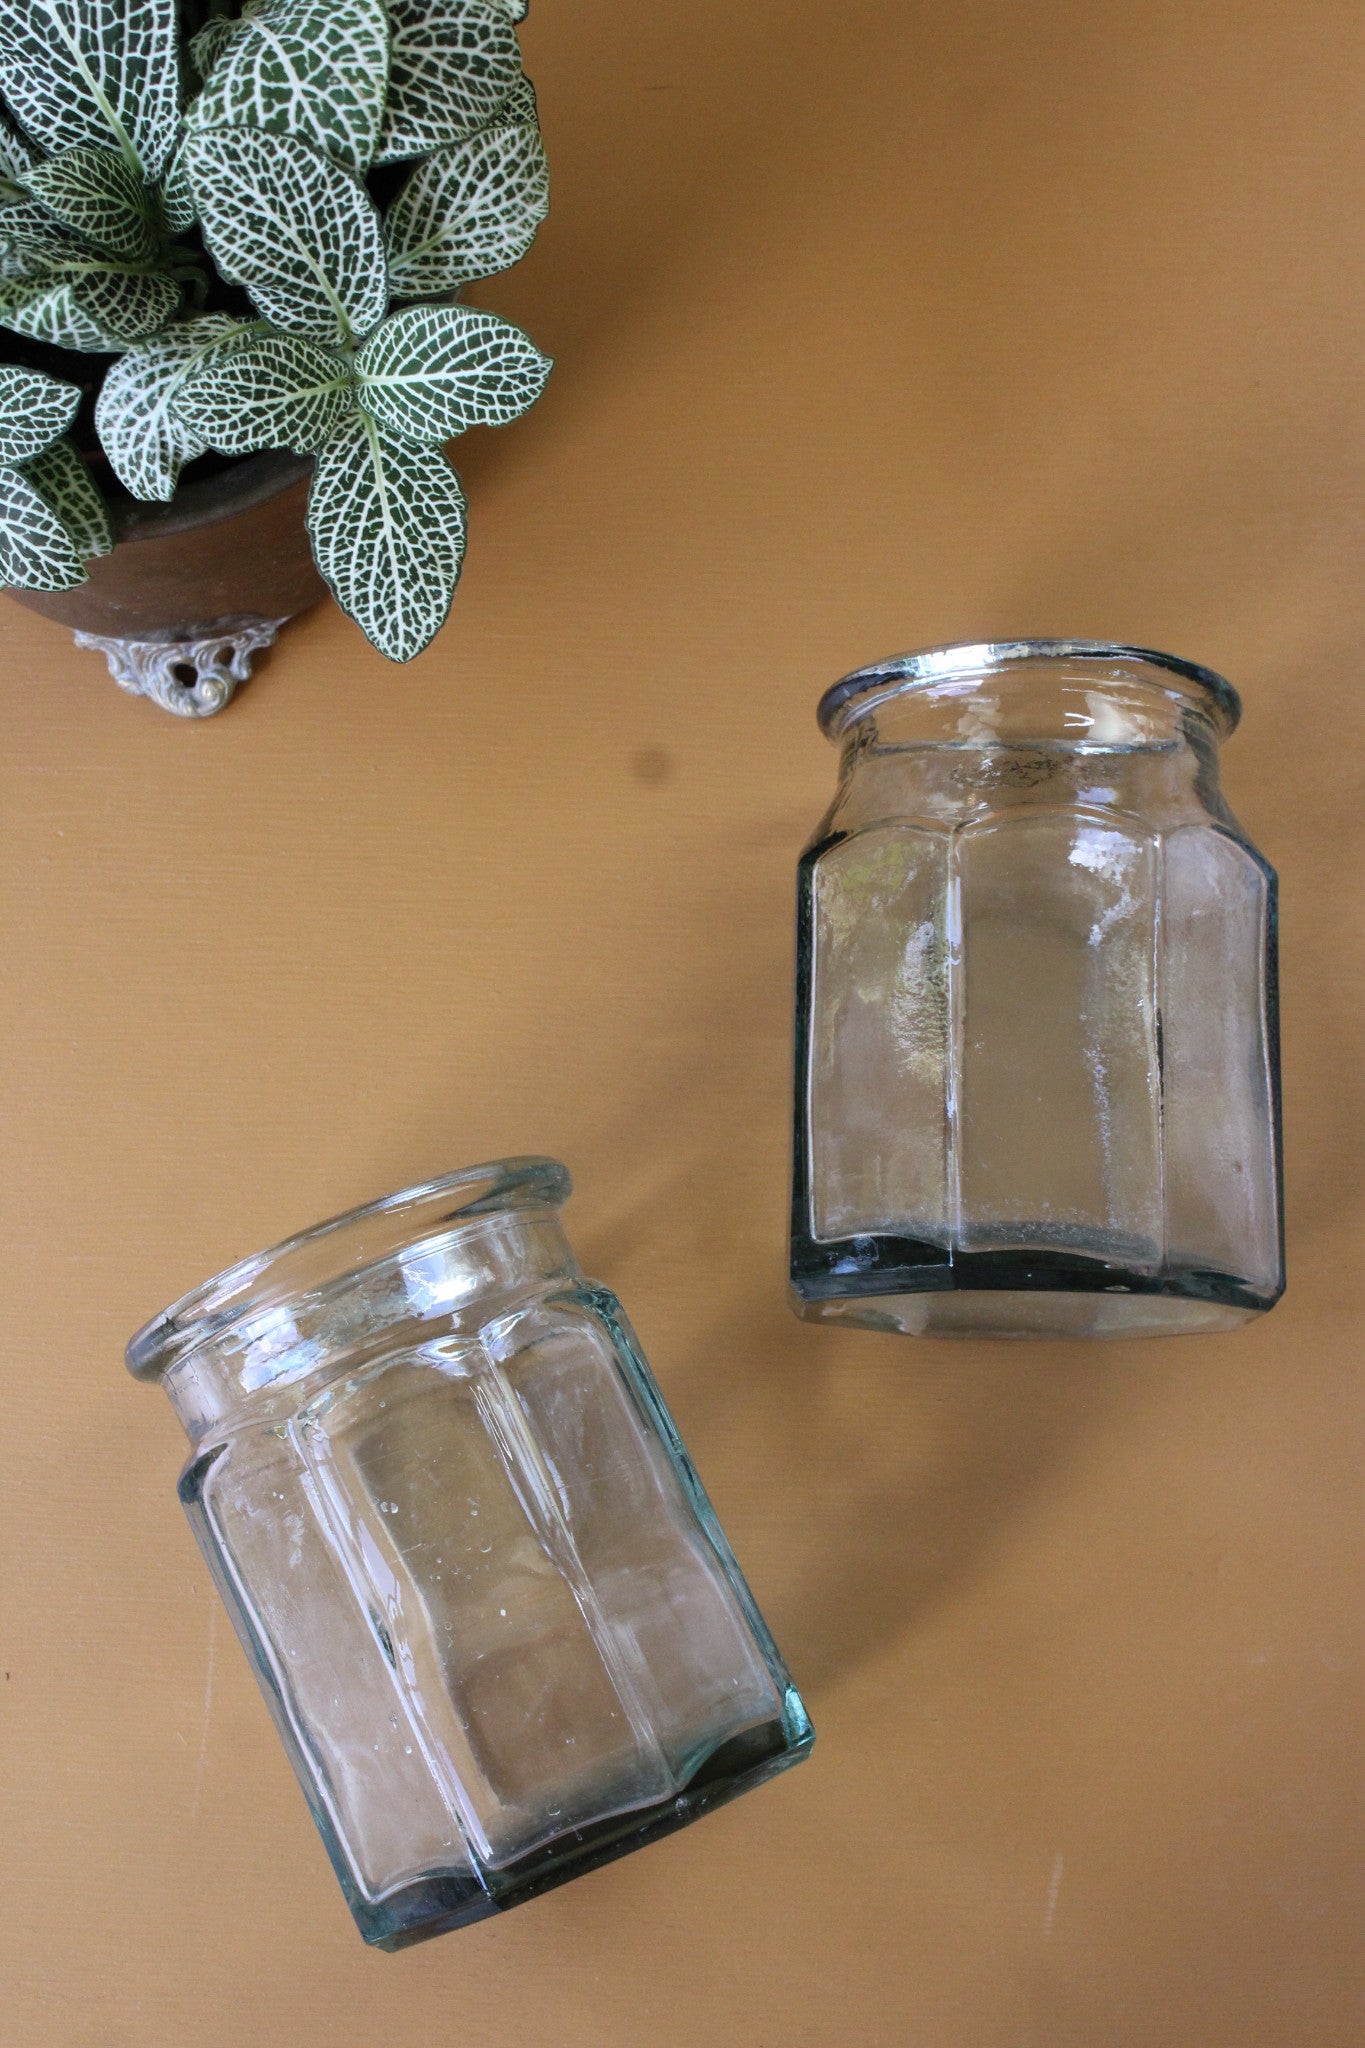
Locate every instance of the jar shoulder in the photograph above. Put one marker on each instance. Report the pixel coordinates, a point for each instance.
(949, 790)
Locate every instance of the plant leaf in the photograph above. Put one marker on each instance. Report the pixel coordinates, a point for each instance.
(208, 43)
(37, 245)
(36, 551)
(99, 71)
(431, 371)
(274, 392)
(48, 311)
(15, 160)
(299, 231)
(467, 212)
(520, 104)
(67, 488)
(515, 10)
(34, 410)
(93, 192)
(142, 435)
(454, 63)
(316, 69)
(126, 305)
(94, 310)
(387, 523)
(177, 200)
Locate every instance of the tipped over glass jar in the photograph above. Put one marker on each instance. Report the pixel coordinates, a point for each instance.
(1037, 1062)
(491, 1609)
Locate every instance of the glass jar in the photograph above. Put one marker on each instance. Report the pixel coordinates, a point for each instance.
(1037, 1051)
(490, 1607)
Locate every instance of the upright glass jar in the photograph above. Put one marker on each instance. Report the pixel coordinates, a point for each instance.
(1037, 1053)
(489, 1605)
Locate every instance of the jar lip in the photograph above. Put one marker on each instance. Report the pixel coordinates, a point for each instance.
(343, 1246)
(843, 702)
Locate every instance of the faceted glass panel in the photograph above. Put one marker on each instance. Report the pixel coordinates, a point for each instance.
(438, 1499)
(879, 1036)
(1057, 1092)
(1221, 1180)
(669, 1620)
(330, 1684)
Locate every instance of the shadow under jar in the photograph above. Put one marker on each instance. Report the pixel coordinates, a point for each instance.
(489, 1605)
(1037, 1052)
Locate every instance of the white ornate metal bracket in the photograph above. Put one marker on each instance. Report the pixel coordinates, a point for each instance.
(192, 673)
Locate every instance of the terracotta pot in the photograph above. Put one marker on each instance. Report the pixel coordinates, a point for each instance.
(196, 588)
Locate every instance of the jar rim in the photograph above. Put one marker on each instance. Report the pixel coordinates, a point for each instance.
(858, 692)
(343, 1246)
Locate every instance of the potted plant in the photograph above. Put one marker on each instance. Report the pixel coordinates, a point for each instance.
(231, 252)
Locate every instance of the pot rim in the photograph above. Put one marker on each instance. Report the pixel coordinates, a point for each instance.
(247, 483)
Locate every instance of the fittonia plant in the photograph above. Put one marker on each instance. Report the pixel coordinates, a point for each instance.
(266, 219)
(51, 515)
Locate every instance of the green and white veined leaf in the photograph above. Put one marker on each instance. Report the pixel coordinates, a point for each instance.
(387, 522)
(95, 310)
(45, 311)
(432, 371)
(300, 232)
(467, 212)
(177, 200)
(38, 245)
(520, 104)
(34, 410)
(276, 391)
(97, 71)
(36, 551)
(126, 305)
(208, 43)
(57, 288)
(66, 486)
(16, 157)
(95, 194)
(48, 311)
(454, 63)
(316, 69)
(139, 430)
(15, 272)
(515, 10)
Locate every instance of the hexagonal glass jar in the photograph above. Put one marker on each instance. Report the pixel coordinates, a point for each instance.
(490, 1607)
(1037, 1055)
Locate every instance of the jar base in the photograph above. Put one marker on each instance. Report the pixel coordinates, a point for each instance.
(1021, 1312)
(441, 1901)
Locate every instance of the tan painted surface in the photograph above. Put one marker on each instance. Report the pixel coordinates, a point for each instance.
(877, 325)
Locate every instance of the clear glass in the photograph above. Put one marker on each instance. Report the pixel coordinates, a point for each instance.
(1037, 1052)
(490, 1607)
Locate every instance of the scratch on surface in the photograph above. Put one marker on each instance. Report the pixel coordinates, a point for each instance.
(208, 1709)
(1054, 1886)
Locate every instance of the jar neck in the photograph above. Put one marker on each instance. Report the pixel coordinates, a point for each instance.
(1044, 692)
(261, 1366)
(455, 1253)
(1064, 729)
(1065, 708)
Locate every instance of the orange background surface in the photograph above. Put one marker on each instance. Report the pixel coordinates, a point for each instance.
(877, 324)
